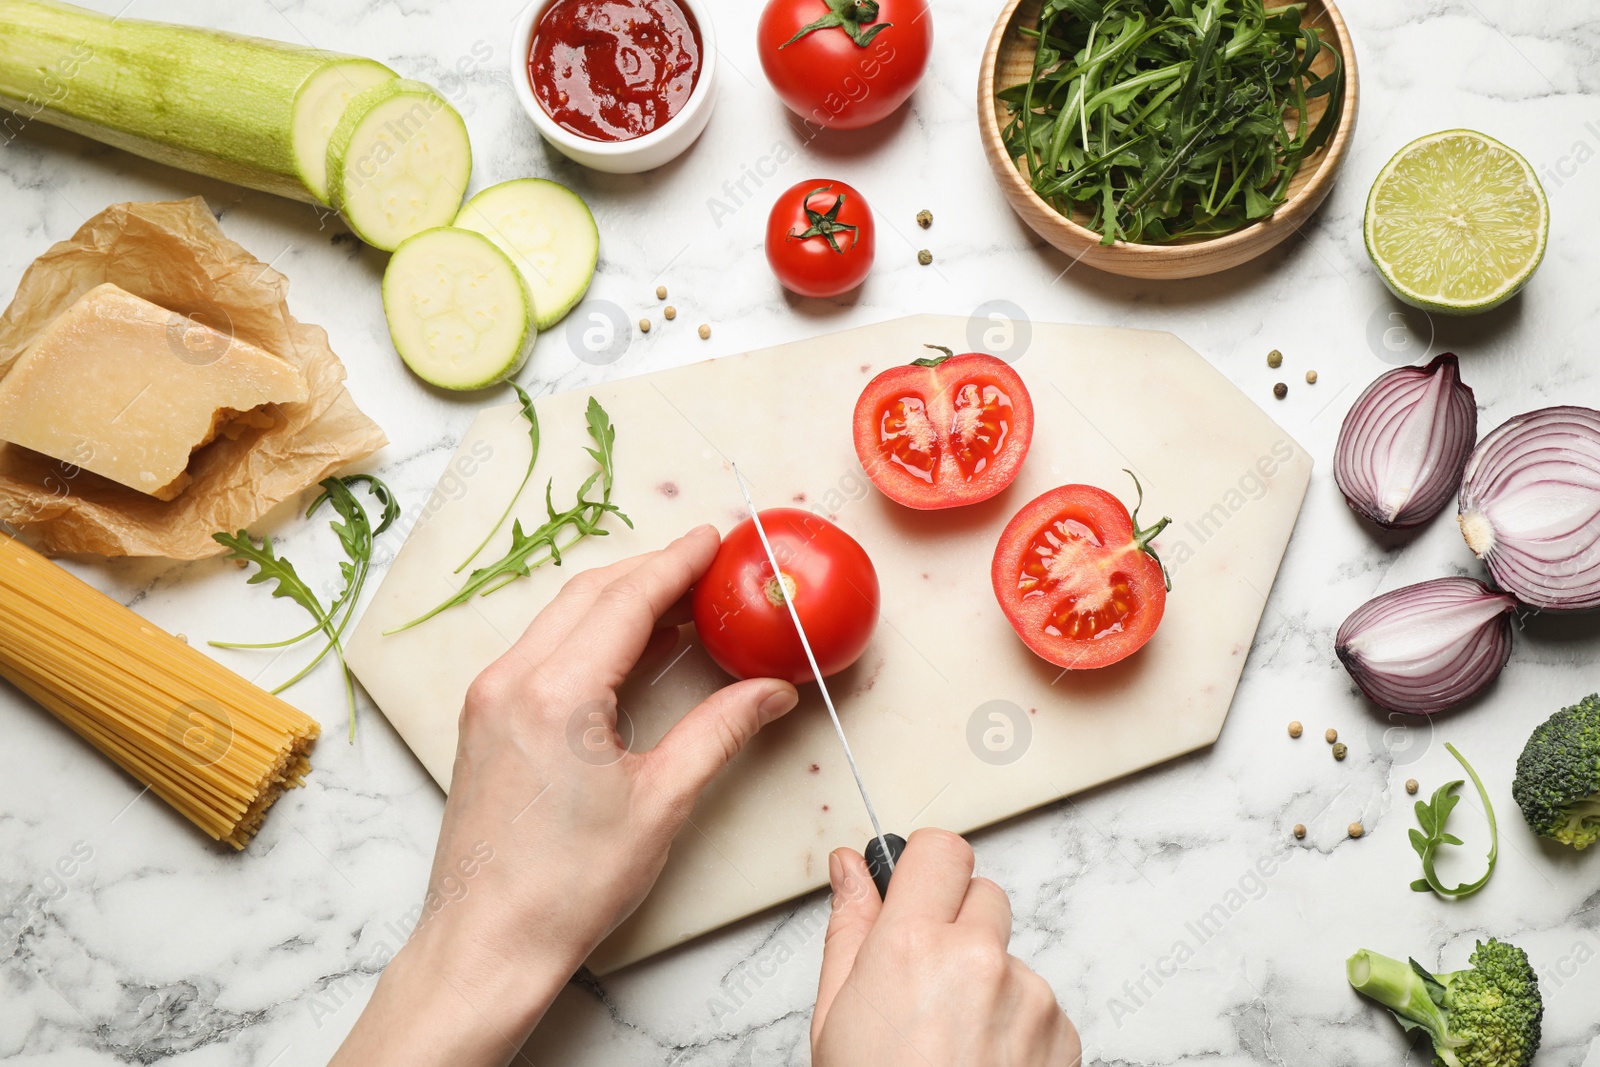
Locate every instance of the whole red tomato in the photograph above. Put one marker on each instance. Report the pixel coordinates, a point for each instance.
(820, 238)
(739, 607)
(1077, 579)
(944, 431)
(844, 64)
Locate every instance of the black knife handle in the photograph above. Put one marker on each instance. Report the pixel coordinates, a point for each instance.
(876, 865)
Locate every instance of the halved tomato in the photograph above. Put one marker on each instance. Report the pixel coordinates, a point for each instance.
(945, 431)
(1077, 579)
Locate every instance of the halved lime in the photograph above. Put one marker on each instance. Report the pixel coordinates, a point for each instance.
(1456, 223)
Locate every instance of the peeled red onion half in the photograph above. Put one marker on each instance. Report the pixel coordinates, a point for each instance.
(1530, 507)
(1429, 646)
(1404, 442)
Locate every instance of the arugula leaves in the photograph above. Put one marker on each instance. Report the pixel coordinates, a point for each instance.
(531, 549)
(1432, 815)
(1165, 120)
(533, 457)
(356, 535)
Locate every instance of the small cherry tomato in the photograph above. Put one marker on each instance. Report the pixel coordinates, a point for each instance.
(1077, 578)
(739, 607)
(821, 238)
(944, 431)
(844, 64)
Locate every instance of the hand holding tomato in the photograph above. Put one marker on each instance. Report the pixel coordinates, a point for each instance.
(1077, 578)
(740, 610)
(559, 825)
(844, 64)
(820, 238)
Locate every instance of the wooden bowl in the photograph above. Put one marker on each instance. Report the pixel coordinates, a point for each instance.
(1008, 61)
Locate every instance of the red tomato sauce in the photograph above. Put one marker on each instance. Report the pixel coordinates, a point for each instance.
(614, 70)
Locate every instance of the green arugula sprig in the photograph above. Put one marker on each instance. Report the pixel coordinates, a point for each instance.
(1433, 815)
(1165, 120)
(533, 457)
(531, 549)
(357, 538)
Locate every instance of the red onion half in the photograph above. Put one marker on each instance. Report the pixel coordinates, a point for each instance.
(1429, 646)
(1403, 444)
(1530, 507)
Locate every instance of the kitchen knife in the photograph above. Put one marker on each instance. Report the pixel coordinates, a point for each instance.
(884, 849)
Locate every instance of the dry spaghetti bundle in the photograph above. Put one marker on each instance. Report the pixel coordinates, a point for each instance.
(206, 741)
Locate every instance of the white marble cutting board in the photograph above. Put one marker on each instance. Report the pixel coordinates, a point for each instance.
(1106, 399)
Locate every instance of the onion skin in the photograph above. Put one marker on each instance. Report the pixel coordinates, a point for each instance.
(1427, 647)
(1404, 442)
(1530, 507)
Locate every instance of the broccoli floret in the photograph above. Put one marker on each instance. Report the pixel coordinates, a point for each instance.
(1558, 776)
(1486, 1016)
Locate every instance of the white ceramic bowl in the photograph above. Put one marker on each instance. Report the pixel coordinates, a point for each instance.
(655, 148)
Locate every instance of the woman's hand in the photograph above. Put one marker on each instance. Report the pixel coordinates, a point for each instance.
(554, 832)
(923, 979)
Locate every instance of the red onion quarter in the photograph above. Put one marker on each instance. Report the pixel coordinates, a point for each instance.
(1530, 507)
(1429, 646)
(1403, 444)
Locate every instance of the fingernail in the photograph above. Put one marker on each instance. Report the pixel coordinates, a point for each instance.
(699, 529)
(835, 872)
(779, 702)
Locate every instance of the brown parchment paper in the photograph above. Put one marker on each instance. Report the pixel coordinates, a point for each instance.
(174, 254)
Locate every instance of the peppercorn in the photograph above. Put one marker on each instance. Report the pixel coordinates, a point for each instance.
(1274, 359)
(661, 292)
(644, 325)
(1311, 377)
(924, 257)
(1356, 829)
(1295, 729)
(1332, 735)
(1340, 751)
(924, 218)
(1300, 831)
(1280, 390)
(670, 312)
(705, 331)
(1412, 786)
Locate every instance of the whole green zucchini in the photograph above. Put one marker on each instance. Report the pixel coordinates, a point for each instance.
(246, 110)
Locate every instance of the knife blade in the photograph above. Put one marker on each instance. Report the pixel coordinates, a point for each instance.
(884, 849)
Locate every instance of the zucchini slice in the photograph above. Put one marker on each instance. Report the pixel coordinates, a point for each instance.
(398, 163)
(319, 105)
(549, 233)
(459, 312)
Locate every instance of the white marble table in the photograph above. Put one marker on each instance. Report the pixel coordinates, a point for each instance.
(1173, 912)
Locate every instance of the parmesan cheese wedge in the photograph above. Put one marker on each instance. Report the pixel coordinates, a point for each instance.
(127, 389)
